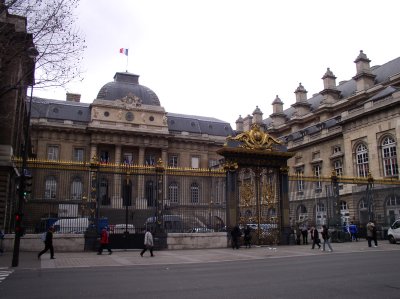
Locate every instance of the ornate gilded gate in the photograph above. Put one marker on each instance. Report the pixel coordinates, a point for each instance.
(257, 185)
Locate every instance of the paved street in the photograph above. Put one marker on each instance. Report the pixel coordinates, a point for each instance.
(28, 260)
(352, 270)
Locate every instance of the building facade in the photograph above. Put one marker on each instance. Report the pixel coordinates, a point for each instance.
(349, 129)
(16, 75)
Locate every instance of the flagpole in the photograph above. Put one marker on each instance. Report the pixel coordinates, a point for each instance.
(127, 57)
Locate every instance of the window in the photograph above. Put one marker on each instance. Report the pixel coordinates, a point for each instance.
(103, 192)
(212, 163)
(128, 158)
(79, 154)
(317, 174)
(337, 149)
(300, 181)
(362, 160)
(301, 213)
(173, 192)
(338, 167)
(194, 193)
(76, 189)
(104, 157)
(389, 156)
(150, 159)
(50, 188)
(195, 162)
(150, 194)
(173, 160)
(52, 152)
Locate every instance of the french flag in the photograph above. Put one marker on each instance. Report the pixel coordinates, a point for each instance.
(123, 51)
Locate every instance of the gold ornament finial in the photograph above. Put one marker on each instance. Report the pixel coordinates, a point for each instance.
(256, 139)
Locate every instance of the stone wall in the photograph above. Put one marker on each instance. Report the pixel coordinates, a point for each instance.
(76, 242)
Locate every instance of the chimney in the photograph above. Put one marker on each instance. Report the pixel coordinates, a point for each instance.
(239, 124)
(73, 97)
(364, 77)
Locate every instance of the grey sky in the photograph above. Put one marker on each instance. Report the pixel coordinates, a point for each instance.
(222, 58)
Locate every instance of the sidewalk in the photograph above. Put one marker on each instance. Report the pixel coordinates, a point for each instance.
(28, 260)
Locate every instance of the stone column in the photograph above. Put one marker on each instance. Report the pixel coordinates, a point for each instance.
(141, 202)
(284, 205)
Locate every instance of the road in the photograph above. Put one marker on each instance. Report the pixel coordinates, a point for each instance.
(373, 274)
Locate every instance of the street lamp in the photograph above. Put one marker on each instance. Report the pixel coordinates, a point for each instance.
(32, 53)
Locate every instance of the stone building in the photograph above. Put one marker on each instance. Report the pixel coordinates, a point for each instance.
(16, 75)
(352, 128)
(126, 125)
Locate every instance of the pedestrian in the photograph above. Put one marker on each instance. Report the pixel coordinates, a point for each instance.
(104, 241)
(371, 234)
(235, 233)
(148, 243)
(298, 235)
(353, 229)
(247, 237)
(315, 238)
(304, 233)
(48, 243)
(326, 236)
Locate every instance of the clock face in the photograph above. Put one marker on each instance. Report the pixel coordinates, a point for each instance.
(129, 116)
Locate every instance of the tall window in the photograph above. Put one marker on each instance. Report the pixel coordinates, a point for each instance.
(127, 158)
(78, 154)
(194, 193)
(300, 179)
(76, 189)
(150, 159)
(392, 208)
(150, 194)
(362, 160)
(104, 157)
(50, 188)
(389, 156)
(338, 166)
(103, 192)
(53, 152)
(173, 160)
(195, 162)
(317, 175)
(173, 192)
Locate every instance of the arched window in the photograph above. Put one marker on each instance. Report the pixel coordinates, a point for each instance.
(344, 212)
(150, 194)
(76, 189)
(50, 188)
(194, 193)
(389, 156)
(362, 160)
(173, 192)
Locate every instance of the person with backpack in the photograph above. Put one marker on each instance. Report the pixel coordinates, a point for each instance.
(326, 236)
(148, 243)
(48, 243)
(104, 241)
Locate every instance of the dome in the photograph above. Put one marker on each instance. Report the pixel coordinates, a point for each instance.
(125, 84)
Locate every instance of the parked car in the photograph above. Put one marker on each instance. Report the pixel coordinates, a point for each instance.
(394, 232)
(200, 230)
(71, 225)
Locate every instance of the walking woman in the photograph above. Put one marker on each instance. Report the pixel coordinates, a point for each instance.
(326, 236)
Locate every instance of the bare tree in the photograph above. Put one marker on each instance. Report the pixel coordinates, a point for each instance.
(59, 43)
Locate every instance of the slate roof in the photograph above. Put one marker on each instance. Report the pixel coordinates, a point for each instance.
(348, 88)
(55, 110)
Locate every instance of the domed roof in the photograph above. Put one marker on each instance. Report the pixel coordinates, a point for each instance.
(125, 84)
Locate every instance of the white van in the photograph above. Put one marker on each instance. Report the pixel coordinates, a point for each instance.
(71, 225)
(394, 232)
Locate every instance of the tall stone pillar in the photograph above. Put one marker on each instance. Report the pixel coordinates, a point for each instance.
(141, 202)
(116, 198)
(284, 206)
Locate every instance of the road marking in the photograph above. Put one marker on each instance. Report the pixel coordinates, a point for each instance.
(4, 273)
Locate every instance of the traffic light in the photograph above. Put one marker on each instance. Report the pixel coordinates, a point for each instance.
(19, 230)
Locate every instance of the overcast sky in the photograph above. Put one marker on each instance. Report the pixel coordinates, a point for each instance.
(222, 58)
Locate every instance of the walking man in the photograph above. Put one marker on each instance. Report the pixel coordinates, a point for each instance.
(148, 243)
(48, 243)
(353, 232)
(326, 236)
(315, 238)
(371, 234)
(104, 241)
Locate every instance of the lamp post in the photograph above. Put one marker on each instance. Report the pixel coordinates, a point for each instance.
(32, 53)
